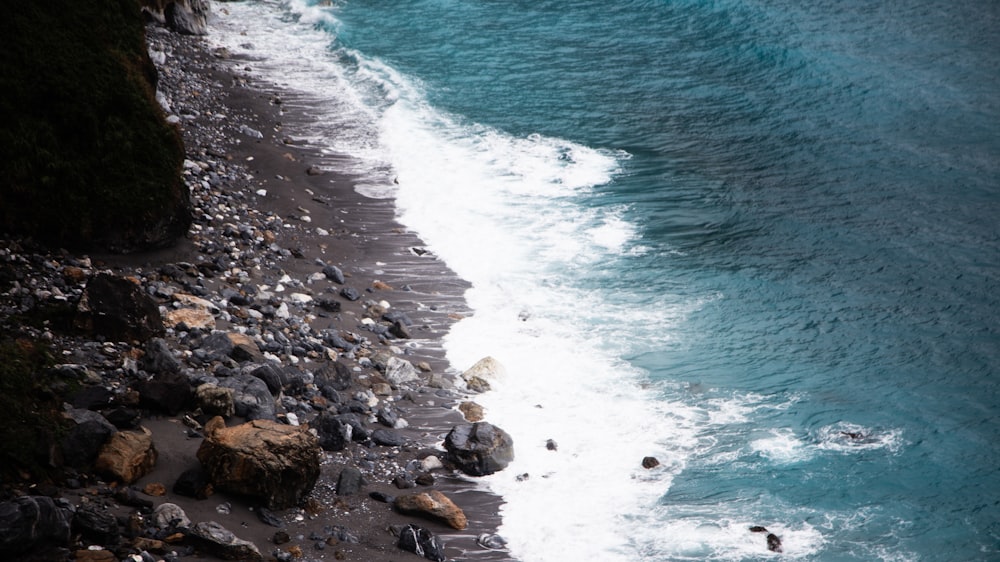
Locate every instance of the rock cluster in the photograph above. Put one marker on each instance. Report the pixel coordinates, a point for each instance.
(287, 376)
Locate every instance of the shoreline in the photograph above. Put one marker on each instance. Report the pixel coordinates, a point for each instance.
(270, 213)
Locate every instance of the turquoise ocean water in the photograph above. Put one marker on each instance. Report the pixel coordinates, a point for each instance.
(758, 240)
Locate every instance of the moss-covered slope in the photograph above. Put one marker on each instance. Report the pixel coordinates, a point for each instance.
(86, 158)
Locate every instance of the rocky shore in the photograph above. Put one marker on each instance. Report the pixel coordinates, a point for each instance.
(271, 388)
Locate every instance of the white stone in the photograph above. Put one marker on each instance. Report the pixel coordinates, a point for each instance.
(300, 298)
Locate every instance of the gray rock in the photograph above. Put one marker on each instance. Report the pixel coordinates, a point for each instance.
(334, 433)
(251, 397)
(335, 375)
(479, 449)
(221, 542)
(388, 438)
(170, 516)
(189, 17)
(333, 273)
(30, 521)
(96, 524)
(168, 392)
(158, 358)
(349, 482)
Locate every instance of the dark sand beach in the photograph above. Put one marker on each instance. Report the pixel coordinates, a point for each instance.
(270, 213)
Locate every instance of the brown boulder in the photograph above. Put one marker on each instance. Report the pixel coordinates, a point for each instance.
(435, 505)
(276, 463)
(127, 456)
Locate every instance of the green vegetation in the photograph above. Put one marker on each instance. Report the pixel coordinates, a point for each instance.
(30, 415)
(88, 160)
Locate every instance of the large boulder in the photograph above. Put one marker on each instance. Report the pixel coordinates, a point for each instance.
(480, 448)
(435, 505)
(219, 541)
(127, 456)
(118, 309)
(30, 521)
(279, 464)
(166, 392)
(477, 378)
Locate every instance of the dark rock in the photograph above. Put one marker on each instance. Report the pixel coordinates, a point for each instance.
(85, 438)
(404, 481)
(251, 397)
(219, 541)
(335, 375)
(216, 347)
(333, 273)
(421, 542)
(128, 495)
(387, 417)
(349, 482)
(271, 376)
(193, 483)
(650, 462)
(394, 316)
(399, 330)
(124, 418)
(158, 358)
(281, 537)
(118, 309)
(350, 293)
(551, 445)
(268, 517)
(30, 521)
(381, 497)
(773, 542)
(168, 392)
(96, 524)
(93, 398)
(479, 449)
(329, 305)
(276, 463)
(387, 438)
(334, 433)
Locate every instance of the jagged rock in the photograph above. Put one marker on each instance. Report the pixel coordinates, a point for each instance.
(127, 456)
(30, 521)
(479, 449)
(215, 400)
(219, 541)
(251, 397)
(166, 392)
(118, 309)
(421, 542)
(85, 438)
(190, 318)
(215, 347)
(98, 525)
(170, 516)
(334, 433)
(435, 505)
(277, 463)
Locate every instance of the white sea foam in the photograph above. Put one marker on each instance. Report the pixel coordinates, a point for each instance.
(509, 214)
